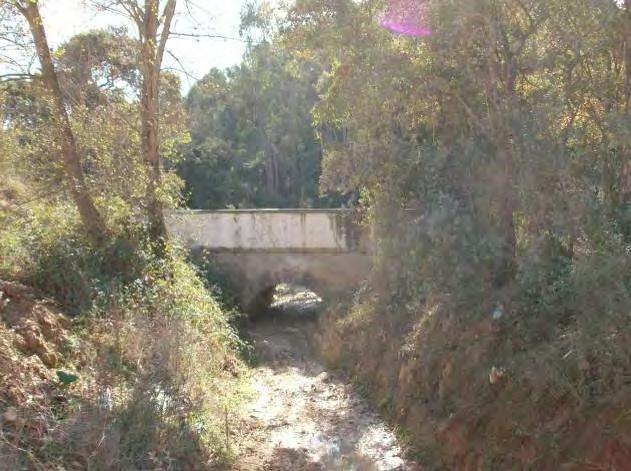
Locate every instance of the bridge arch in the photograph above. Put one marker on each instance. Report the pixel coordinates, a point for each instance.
(324, 249)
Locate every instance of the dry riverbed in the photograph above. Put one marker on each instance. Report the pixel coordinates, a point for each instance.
(302, 416)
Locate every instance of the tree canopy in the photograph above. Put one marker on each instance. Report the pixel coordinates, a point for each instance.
(252, 139)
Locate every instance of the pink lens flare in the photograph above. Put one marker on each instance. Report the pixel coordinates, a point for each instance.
(406, 17)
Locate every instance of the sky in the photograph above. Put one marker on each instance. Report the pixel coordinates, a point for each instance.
(65, 18)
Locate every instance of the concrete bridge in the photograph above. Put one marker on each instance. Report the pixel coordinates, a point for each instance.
(323, 249)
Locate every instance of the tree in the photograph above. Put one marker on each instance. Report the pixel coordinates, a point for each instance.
(458, 128)
(101, 78)
(153, 19)
(98, 66)
(90, 216)
(100, 81)
(153, 46)
(252, 138)
(627, 58)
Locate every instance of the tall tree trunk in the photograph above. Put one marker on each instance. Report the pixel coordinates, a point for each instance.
(90, 217)
(271, 168)
(627, 55)
(153, 47)
(625, 184)
(149, 116)
(501, 88)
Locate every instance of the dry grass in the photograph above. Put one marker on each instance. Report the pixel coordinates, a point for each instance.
(152, 393)
(560, 402)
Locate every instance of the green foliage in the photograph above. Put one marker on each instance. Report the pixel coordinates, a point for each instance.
(172, 348)
(252, 140)
(44, 247)
(73, 272)
(152, 329)
(493, 160)
(99, 76)
(479, 149)
(66, 378)
(98, 65)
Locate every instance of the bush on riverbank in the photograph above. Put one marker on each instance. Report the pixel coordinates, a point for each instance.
(493, 163)
(154, 355)
(542, 383)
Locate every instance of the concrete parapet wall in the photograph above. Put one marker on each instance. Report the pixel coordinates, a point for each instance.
(269, 230)
(257, 249)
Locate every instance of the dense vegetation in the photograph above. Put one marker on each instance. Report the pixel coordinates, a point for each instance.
(252, 142)
(492, 160)
(121, 386)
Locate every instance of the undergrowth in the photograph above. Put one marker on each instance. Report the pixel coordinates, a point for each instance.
(538, 378)
(157, 358)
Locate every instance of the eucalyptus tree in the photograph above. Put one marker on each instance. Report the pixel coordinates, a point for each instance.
(497, 125)
(100, 84)
(153, 20)
(76, 180)
(252, 138)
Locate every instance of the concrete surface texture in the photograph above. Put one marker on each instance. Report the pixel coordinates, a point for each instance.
(326, 250)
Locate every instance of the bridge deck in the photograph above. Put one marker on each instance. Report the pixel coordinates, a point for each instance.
(256, 249)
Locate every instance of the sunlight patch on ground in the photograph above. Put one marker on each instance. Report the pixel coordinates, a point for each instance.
(312, 418)
(296, 298)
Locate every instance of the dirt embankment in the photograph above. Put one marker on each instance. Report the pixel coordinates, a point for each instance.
(465, 403)
(33, 338)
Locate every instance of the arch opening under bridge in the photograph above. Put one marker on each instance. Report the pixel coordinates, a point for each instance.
(258, 249)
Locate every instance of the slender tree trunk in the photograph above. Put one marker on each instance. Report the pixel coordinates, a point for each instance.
(149, 116)
(625, 184)
(90, 217)
(503, 105)
(505, 155)
(271, 168)
(627, 55)
(153, 47)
